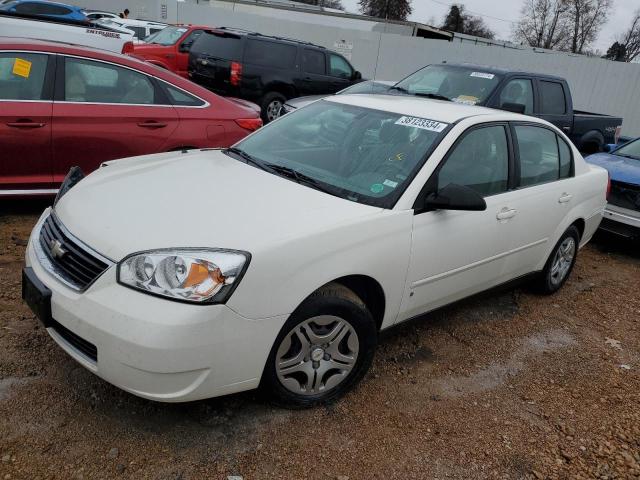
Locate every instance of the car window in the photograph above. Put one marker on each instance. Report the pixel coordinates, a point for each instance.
(313, 61)
(364, 155)
(539, 157)
(270, 54)
(180, 97)
(518, 91)
(479, 161)
(631, 149)
(368, 86)
(565, 158)
(339, 67)
(223, 45)
(553, 101)
(138, 32)
(22, 76)
(185, 45)
(41, 9)
(97, 82)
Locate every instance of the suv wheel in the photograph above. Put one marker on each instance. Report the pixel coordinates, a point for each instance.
(325, 347)
(270, 107)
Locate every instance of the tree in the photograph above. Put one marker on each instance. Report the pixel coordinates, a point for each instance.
(337, 4)
(543, 24)
(616, 52)
(389, 9)
(586, 18)
(630, 40)
(457, 20)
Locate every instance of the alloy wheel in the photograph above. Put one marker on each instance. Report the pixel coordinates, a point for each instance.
(273, 110)
(562, 260)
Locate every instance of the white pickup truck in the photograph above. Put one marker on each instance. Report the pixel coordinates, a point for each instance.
(98, 36)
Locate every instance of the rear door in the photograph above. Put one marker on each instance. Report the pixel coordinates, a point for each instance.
(554, 104)
(105, 111)
(26, 89)
(313, 78)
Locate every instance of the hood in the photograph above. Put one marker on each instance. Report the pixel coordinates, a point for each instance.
(197, 199)
(304, 101)
(621, 169)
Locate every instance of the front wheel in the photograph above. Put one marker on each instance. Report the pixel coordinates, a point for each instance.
(560, 262)
(322, 351)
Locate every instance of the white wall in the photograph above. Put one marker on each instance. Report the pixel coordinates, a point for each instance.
(597, 85)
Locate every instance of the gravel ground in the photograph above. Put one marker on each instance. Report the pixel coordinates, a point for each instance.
(508, 385)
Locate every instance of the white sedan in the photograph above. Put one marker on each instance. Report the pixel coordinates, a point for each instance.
(276, 263)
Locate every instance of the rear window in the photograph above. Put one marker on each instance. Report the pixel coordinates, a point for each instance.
(219, 45)
(270, 54)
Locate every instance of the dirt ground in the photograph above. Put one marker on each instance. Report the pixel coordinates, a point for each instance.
(509, 385)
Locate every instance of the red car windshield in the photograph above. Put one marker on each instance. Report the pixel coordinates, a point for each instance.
(167, 36)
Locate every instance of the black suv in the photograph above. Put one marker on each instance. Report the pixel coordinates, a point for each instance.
(266, 70)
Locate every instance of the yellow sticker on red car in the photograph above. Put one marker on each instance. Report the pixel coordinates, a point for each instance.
(21, 68)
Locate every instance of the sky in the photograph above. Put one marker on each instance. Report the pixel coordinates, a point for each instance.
(500, 15)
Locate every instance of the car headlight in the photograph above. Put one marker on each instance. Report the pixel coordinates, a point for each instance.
(190, 275)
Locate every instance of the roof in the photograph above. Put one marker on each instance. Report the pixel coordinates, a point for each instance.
(239, 31)
(439, 110)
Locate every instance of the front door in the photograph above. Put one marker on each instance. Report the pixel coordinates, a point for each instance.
(106, 112)
(455, 254)
(26, 81)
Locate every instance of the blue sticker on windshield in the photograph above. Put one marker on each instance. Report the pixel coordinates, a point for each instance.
(377, 188)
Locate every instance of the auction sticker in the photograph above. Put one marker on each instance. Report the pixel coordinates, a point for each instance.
(488, 76)
(21, 67)
(377, 188)
(423, 123)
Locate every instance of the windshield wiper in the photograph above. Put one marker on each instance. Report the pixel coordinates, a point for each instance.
(399, 89)
(626, 156)
(300, 178)
(249, 159)
(434, 96)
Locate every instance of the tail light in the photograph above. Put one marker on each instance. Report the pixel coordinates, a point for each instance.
(236, 74)
(250, 124)
(608, 185)
(616, 136)
(127, 47)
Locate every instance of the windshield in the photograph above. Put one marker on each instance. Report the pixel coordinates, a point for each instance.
(167, 36)
(631, 149)
(363, 155)
(468, 85)
(368, 86)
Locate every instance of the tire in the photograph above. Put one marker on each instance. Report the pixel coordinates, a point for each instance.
(270, 106)
(559, 266)
(340, 338)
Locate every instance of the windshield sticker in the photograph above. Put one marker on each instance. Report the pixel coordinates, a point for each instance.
(21, 68)
(390, 183)
(423, 123)
(488, 76)
(466, 99)
(377, 188)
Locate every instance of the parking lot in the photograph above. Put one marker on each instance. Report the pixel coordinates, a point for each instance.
(506, 385)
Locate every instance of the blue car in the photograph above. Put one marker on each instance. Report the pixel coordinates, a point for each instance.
(42, 8)
(622, 214)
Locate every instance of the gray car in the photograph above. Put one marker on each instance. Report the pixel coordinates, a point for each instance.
(368, 86)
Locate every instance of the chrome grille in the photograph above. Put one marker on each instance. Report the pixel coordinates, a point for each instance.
(68, 259)
(625, 195)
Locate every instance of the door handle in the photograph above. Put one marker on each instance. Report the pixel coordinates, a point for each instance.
(25, 124)
(152, 124)
(566, 129)
(565, 197)
(506, 213)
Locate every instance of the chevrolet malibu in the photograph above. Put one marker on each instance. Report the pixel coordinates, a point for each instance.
(277, 262)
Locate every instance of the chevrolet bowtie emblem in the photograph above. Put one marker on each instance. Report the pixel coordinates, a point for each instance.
(55, 247)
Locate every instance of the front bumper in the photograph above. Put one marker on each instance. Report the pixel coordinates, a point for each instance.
(156, 348)
(621, 221)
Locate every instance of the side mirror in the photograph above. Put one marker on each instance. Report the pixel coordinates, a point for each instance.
(184, 47)
(455, 197)
(607, 147)
(357, 75)
(513, 107)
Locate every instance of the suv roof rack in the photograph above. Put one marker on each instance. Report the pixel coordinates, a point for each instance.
(258, 34)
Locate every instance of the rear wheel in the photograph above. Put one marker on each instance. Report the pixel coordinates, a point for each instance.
(560, 262)
(322, 351)
(270, 106)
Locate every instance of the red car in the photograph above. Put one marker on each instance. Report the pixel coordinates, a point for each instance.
(62, 105)
(169, 48)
